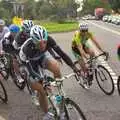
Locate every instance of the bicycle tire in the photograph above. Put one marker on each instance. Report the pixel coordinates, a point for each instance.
(4, 98)
(70, 102)
(118, 85)
(100, 67)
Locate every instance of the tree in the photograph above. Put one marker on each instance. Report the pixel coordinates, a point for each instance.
(115, 4)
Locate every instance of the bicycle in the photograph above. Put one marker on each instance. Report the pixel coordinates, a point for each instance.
(66, 104)
(7, 61)
(118, 85)
(3, 92)
(65, 101)
(101, 74)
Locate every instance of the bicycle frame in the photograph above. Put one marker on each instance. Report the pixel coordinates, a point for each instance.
(58, 83)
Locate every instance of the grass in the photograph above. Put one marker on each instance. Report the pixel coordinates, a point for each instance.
(58, 27)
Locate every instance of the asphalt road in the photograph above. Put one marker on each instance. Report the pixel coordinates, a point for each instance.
(95, 104)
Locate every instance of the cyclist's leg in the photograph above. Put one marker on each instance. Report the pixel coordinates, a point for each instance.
(89, 50)
(15, 65)
(35, 77)
(52, 65)
(80, 60)
(42, 96)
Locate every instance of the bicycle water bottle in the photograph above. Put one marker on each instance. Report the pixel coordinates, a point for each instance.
(58, 99)
(59, 103)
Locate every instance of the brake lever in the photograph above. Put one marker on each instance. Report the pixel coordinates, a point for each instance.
(106, 55)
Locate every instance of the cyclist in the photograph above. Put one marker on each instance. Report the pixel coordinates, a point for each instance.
(35, 50)
(3, 31)
(81, 48)
(7, 47)
(20, 38)
(23, 35)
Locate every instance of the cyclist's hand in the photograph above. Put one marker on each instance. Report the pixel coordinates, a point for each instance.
(106, 55)
(76, 70)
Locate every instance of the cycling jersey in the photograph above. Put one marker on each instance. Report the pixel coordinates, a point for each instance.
(29, 51)
(79, 39)
(7, 43)
(20, 38)
(3, 32)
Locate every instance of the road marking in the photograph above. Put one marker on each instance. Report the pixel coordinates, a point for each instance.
(105, 28)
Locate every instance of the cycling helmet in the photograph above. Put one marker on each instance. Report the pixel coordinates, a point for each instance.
(38, 33)
(14, 28)
(2, 22)
(27, 25)
(83, 26)
(118, 52)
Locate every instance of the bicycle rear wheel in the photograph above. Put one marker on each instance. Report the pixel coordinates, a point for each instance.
(104, 80)
(3, 93)
(118, 85)
(73, 111)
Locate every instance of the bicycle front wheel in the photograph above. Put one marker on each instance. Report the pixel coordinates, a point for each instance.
(118, 85)
(104, 80)
(73, 111)
(3, 93)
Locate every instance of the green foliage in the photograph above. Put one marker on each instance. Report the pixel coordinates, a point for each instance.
(58, 27)
(115, 4)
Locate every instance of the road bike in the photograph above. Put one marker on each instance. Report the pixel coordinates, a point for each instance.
(68, 106)
(118, 85)
(3, 92)
(7, 61)
(102, 75)
(58, 101)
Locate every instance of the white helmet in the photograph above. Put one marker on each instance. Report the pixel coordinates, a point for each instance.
(27, 25)
(83, 26)
(38, 33)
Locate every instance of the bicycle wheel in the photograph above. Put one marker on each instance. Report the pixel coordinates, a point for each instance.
(104, 80)
(118, 85)
(73, 111)
(24, 75)
(3, 93)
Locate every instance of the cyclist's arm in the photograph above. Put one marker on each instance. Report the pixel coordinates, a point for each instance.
(60, 52)
(96, 43)
(52, 52)
(82, 52)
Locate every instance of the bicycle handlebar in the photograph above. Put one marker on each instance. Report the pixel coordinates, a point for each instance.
(102, 54)
(65, 77)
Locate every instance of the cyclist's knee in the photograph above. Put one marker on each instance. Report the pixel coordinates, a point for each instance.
(39, 87)
(54, 68)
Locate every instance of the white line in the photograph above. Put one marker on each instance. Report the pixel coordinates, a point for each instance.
(105, 28)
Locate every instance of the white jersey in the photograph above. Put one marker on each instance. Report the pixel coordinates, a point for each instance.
(5, 30)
